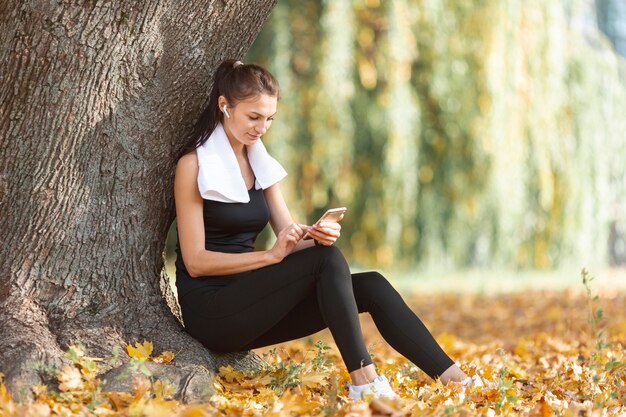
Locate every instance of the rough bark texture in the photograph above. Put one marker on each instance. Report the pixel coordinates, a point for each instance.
(95, 97)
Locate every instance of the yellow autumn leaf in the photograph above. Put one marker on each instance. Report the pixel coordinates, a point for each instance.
(141, 385)
(103, 411)
(159, 408)
(39, 410)
(293, 403)
(230, 374)
(384, 406)
(5, 395)
(136, 407)
(260, 381)
(140, 351)
(119, 400)
(165, 357)
(6, 403)
(446, 340)
(313, 379)
(267, 393)
(195, 411)
(39, 390)
(218, 385)
(163, 390)
(70, 379)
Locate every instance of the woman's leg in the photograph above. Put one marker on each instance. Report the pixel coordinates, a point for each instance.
(286, 308)
(396, 322)
(401, 327)
(234, 316)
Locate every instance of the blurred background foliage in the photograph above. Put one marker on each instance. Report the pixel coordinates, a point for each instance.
(459, 133)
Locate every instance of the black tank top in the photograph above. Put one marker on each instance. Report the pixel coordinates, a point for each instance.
(228, 227)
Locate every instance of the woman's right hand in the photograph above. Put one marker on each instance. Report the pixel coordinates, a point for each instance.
(287, 240)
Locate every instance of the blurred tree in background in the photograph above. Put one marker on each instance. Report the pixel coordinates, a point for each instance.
(611, 15)
(458, 133)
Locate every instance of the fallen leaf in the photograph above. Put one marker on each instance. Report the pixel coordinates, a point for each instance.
(165, 357)
(140, 351)
(70, 379)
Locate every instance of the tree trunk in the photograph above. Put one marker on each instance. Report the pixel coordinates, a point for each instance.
(95, 99)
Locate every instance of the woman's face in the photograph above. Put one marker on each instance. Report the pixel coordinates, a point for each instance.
(249, 119)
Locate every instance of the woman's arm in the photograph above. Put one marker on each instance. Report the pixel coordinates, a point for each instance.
(326, 233)
(190, 222)
(280, 218)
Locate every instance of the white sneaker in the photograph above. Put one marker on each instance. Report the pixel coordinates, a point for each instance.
(473, 381)
(379, 387)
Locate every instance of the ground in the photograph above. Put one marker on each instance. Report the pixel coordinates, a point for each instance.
(551, 350)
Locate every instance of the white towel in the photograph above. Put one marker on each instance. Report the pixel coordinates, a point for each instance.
(219, 176)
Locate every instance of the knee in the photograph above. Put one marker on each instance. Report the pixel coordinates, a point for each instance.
(373, 281)
(330, 259)
(372, 288)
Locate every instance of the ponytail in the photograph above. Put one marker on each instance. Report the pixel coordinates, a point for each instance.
(235, 81)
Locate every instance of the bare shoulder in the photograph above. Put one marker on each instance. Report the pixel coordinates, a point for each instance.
(188, 162)
(185, 178)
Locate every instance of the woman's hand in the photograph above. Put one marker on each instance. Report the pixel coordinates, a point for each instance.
(326, 233)
(287, 240)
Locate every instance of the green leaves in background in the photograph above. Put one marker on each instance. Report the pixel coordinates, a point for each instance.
(458, 133)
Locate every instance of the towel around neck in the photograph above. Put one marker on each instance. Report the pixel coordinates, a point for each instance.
(219, 176)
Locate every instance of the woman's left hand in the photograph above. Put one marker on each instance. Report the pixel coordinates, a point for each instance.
(326, 233)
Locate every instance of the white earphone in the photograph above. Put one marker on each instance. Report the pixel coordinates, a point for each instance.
(226, 111)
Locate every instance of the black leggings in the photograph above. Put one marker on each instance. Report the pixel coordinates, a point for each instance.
(308, 291)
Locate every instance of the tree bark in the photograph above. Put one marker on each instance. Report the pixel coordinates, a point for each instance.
(96, 96)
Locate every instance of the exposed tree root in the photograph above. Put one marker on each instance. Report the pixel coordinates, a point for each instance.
(26, 343)
(31, 349)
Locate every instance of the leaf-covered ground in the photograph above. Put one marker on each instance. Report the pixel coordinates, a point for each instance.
(545, 352)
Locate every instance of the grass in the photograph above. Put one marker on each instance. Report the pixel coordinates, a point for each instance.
(606, 282)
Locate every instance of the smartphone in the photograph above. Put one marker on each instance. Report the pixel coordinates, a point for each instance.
(333, 214)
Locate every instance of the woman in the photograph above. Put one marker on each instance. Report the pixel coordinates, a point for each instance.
(234, 298)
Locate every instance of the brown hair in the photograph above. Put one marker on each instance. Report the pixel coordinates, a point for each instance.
(235, 81)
